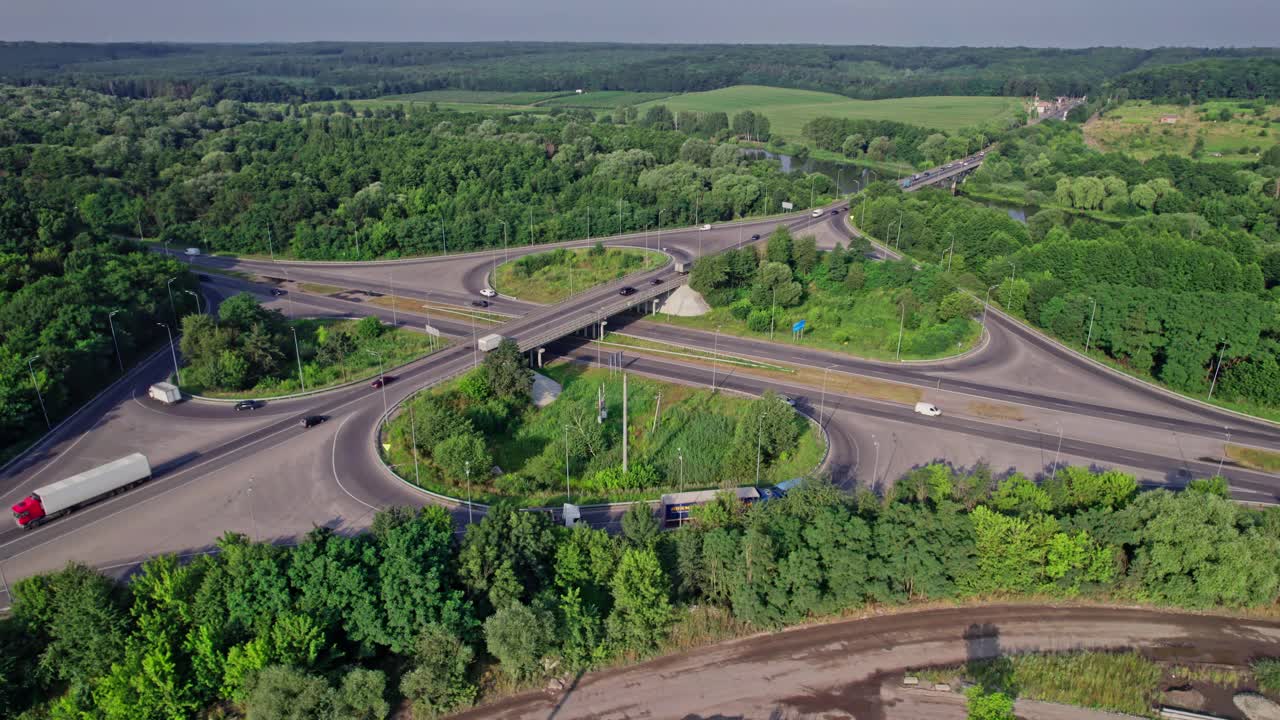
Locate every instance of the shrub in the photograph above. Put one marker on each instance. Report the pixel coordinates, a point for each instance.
(758, 321)
(741, 309)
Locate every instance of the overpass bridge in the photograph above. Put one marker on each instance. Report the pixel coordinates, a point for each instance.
(954, 172)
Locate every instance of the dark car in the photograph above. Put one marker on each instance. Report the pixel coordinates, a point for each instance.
(756, 236)
(278, 292)
(313, 420)
(479, 303)
(204, 278)
(382, 381)
(835, 212)
(248, 405)
(627, 290)
(655, 281)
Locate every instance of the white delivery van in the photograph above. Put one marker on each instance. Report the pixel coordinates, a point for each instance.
(167, 393)
(929, 409)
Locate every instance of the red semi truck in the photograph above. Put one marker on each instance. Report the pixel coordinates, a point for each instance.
(50, 501)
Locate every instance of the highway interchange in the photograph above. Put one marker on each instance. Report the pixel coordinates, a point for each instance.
(1018, 401)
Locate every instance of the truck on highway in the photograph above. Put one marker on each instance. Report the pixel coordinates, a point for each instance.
(489, 342)
(50, 501)
(682, 267)
(167, 393)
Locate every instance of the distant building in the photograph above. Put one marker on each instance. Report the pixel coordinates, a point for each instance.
(1168, 119)
(1042, 107)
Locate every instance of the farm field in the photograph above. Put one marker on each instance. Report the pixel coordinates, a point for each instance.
(788, 110)
(481, 100)
(1136, 128)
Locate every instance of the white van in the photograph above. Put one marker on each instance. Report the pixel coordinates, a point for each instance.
(817, 213)
(928, 409)
(193, 251)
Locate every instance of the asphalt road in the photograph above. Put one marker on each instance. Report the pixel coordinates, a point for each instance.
(207, 456)
(837, 670)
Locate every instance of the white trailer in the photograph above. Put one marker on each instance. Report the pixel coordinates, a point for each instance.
(489, 342)
(167, 393)
(50, 501)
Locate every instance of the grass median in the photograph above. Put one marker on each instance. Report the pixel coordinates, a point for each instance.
(552, 276)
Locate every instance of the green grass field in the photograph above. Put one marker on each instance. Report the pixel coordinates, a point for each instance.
(1135, 128)
(788, 110)
(578, 270)
(488, 101)
(865, 326)
(694, 430)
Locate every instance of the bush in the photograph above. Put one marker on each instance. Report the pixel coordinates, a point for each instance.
(741, 309)
(758, 321)
(1267, 672)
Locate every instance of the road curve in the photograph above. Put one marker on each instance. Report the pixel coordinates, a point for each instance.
(838, 668)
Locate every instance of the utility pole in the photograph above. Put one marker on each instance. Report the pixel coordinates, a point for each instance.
(271, 245)
(413, 438)
(987, 304)
(39, 396)
(624, 423)
(680, 454)
(567, 496)
(895, 241)
(119, 359)
(297, 353)
(619, 216)
(193, 294)
(773, 311)
(1224, 453)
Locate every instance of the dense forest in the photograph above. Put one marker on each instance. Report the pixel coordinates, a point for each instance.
(77, 307)
(331, 71)
(1166, 266)
(333, 182)
(405, 616)
(1202, 80)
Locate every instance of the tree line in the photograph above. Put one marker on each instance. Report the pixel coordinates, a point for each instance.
(325, 71)
(356, 626)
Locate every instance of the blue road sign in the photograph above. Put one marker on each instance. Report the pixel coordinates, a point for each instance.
(797, 327)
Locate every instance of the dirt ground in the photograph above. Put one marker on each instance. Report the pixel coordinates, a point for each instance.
(841, 670)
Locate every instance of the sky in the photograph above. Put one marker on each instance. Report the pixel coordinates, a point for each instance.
(1039, 23)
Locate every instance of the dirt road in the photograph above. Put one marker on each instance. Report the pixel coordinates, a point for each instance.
(837, 670)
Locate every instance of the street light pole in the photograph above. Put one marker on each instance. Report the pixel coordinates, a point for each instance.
(986, 304)
(470, 517)
(1089, 340)
(39, 396)
(169, 286)
(875, 471)
(195, 295)
(680, 454)
(115, 342)
(297, 354)
(902, 322)
(567, 496)
(172, 350)
(506, 255)
(1218, 369)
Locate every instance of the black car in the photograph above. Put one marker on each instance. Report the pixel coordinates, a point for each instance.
(204, 278)
(755, 237)
(313, 420)
(655, 281)
(248, 405)
(278, 292)
(479, 303)
(835, 212)
(627, 291)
